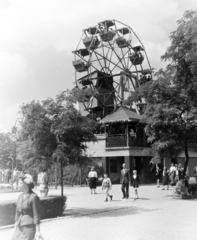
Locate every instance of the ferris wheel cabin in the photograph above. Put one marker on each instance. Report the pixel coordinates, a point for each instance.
(106, 33)
(137, 57)
(81, 65)
(120, 40)
(91, 40)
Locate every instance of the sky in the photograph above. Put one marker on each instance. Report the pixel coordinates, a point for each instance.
(37, 38)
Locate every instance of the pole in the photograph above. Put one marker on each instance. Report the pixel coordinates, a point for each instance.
(127, 133)
(56, 172)
(15, 155)
(80, 175)
(62, 184)
(15, 133)
(12, 174)
(12, 178)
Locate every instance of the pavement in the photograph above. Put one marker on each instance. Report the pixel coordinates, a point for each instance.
(155, 215)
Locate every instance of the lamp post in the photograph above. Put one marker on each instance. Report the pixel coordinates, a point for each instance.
(14, 132)
(12, 159)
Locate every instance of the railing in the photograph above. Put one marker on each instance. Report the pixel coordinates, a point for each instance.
(122, 140)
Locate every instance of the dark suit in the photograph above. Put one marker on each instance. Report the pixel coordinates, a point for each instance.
(135, 182)
(124, 180)
(27, 216)
(181, 173)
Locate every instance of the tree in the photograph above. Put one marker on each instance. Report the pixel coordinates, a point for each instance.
(171, 114)
(7, 150)
(54, 130)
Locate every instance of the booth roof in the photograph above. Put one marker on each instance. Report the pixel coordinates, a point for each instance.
(121, 115)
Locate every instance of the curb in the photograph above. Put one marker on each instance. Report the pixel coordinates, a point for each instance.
(70, 216)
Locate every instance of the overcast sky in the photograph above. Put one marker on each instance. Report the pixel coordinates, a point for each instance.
(38, 36)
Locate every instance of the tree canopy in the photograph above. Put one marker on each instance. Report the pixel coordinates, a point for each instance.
(7, 150)
(54, 130)
(171, 114)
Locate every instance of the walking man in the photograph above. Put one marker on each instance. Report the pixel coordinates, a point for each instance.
(125, 181)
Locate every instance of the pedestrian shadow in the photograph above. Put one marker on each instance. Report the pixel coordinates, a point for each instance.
(143, 199)
(106, 212)
(171, 195)
(189, 199)
(117, 201)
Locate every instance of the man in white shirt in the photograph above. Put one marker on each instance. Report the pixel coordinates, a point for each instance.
(172, 168)
(172, 174)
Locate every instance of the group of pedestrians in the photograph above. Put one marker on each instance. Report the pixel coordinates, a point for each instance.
(8, 176)
(169, 176)
(5, 175)
(125, 181)
(175, 176)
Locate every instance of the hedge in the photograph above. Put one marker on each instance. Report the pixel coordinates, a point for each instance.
(50, 207)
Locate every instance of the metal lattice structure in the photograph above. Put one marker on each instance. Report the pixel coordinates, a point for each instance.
(110, 63)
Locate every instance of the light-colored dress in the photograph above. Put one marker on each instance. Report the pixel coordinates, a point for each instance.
(43, 184)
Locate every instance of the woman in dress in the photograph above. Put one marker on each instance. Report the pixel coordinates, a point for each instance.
(93, 178)
(43, 182)
(166, 179)
(135, 182)
(27, 218)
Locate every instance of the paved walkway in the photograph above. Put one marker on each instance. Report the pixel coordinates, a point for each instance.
(156, 215)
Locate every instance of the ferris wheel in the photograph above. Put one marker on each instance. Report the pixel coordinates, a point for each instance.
(110, 63)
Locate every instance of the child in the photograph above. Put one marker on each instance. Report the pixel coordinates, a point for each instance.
(106, 185)
(135, 182)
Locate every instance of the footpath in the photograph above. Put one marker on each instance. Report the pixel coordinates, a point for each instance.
(156, 215)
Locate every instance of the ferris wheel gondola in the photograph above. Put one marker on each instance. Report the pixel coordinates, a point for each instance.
(110, 64)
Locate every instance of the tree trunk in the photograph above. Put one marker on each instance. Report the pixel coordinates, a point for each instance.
(186, 158)
(62, 183)
(80, 175)
(56, 173)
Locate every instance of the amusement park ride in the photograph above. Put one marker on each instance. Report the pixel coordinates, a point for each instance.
(110, 64)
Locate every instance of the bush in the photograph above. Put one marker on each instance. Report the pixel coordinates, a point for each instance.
(7, 212)
(50, 207)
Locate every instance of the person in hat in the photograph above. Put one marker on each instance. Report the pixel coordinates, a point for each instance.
(92, 179)
(27, 218)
